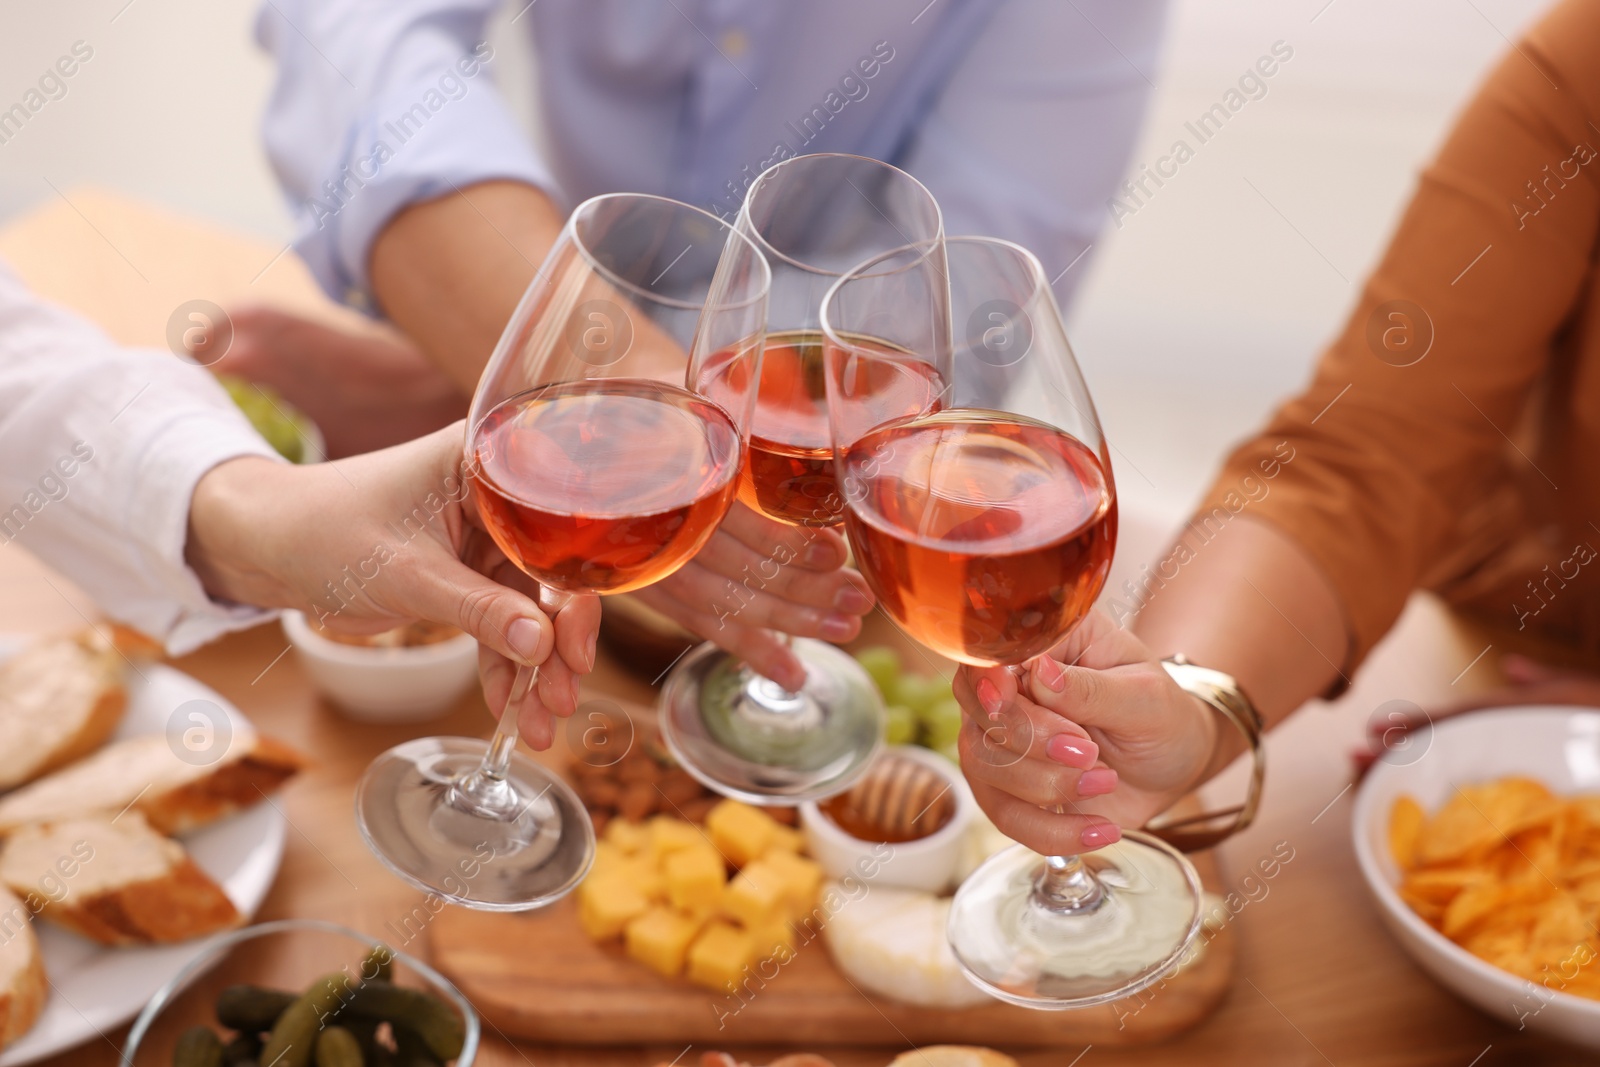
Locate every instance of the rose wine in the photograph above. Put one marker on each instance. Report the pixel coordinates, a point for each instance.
(788, 471)
(604, 486)
(986, 536)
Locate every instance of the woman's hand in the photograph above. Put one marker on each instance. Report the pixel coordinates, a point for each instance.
(364, 544)
(756, 575)
(1095, 727)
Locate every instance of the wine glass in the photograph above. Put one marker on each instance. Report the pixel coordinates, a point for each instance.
(986, 525)
(603, 448)
(744, 735)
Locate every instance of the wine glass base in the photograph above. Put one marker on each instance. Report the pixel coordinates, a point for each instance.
(526, 844)
(745, 737)
(1017, 949)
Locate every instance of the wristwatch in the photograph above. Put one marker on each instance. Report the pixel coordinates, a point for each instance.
(1221, 691)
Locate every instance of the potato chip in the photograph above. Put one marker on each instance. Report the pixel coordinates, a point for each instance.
(1405, 823)
(1511, 873)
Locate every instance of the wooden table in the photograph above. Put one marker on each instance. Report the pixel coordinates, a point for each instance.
(1318, 980)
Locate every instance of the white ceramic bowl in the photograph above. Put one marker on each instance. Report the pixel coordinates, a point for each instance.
(1558, 746)
(385, 684)
(931, 864)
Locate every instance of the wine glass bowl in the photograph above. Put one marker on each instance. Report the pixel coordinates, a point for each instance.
(603, 447)
(985, 523)
(814, 218)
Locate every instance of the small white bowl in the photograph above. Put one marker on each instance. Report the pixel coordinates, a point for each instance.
(386, 684)
(1559, 746)
(931, 864)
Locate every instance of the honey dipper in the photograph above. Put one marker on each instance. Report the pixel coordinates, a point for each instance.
(902, 799)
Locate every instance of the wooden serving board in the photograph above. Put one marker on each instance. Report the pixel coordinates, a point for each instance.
(537, 976)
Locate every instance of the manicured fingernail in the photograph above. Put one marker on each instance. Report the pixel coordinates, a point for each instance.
(837, 628)
(988, 697)
(852, 601)
(1072, 750)
(1097, 782)
(1051, 673)
(792, 678)
(1100, 835)
(524, 636)
(820, 554)
(589, 652)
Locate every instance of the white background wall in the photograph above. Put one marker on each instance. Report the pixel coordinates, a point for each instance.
(1198, 312)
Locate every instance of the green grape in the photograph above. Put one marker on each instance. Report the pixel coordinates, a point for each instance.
(900, 724)
(922, 692)
(882, 664)
(941, 724)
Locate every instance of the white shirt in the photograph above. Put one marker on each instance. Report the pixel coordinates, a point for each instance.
(100, 451)
(1019, 115)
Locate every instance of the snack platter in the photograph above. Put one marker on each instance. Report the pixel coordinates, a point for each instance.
(544, 976)
(90, 986)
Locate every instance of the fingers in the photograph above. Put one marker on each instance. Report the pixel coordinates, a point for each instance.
(764, 651)
(1046, 832)
(501, 618)
(1043, 783)
(812, 549)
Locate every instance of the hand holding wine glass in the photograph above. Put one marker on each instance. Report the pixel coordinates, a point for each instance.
(986, 524)
(602, 449)
(1095, 721)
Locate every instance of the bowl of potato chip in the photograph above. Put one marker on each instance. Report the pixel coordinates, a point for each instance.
(1480, 840)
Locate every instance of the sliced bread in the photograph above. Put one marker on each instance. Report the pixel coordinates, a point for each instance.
(22, 981)
(114, 880)
(145, 774)
(60, 698)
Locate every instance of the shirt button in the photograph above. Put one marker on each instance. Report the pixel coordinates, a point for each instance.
(734, 43)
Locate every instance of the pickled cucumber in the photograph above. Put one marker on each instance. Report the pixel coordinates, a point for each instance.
(432, 1019)
(251, 1009)
(338, 1047)
(198, 1046)
(294, 1035)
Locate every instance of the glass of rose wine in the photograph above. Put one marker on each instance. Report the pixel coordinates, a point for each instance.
(814, 217)
(603, 447)
(985, 524)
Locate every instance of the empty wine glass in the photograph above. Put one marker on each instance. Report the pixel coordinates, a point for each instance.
(603, 448)
(986, 525)
(743, 735)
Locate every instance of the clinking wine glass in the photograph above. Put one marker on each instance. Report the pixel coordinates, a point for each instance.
(814, 217)
(986, 526)
(603, 448)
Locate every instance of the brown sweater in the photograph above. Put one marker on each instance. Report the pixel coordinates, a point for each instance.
(1450, 438)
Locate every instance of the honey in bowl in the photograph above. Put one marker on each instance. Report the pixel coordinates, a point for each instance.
(897, 800)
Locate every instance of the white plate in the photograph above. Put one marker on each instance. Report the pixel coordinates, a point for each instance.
(95, 989)
(1559, 746)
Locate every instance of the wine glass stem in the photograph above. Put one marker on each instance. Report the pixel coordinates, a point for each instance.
(497, 761)
(1067, 886)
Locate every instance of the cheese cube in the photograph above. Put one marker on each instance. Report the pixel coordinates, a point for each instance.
(606, 905)
(740, 832)
(800, 879)
(669, 835)
(755, 896)
(660, 938)
(646, 876)
(718, 957)
(630, 837)
(695, 880)
(785, 838)
(608, 859)
(774, 938)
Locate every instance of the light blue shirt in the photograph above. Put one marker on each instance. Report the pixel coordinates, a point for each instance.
(1019, 115)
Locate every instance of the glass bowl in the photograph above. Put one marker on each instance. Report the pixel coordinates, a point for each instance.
(286, 954)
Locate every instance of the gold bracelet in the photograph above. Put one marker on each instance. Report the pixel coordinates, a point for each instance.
(1222, 692)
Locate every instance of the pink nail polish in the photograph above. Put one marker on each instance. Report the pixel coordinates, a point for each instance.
(1097, 782)
(988, 696)
(1072, 750)
(820, 554)
(1051, 673)
(1100, 835)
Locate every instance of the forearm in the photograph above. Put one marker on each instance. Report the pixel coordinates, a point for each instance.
(450, 271)
(231, 516)
(1252, 603)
